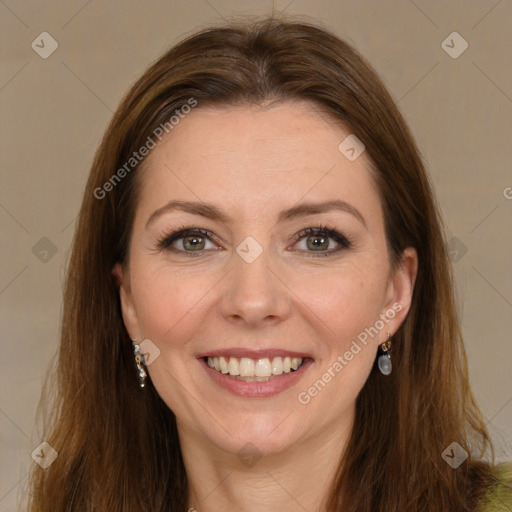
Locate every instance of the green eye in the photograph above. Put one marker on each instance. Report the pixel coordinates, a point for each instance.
(194, 240)
(318, 240)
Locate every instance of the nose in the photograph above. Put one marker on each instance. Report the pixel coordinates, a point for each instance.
(253, 293)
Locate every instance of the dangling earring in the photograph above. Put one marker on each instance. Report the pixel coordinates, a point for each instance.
(139, 361)
(384, 360)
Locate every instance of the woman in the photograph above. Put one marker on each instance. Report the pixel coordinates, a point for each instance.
(259, 308)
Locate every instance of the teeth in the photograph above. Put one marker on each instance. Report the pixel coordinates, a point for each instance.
(234, 366)
(223, 365)
(262, 368)
(246, 367)
(296, 362)
(254, 370)
(277, 366)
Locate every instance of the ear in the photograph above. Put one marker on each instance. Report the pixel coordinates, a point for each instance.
(128, 310)
(399, 292)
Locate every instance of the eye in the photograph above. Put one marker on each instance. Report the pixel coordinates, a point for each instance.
(194, 241)
(189, 241)
(318, 240)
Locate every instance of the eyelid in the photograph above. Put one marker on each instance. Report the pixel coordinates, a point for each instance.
(343, 241)
(164, 242)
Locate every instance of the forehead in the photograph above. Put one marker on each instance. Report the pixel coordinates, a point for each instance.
(256, 159)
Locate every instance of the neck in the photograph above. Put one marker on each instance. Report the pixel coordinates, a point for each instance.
(275, 481)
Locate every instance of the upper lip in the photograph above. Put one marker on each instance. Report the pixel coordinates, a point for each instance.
(253, 354)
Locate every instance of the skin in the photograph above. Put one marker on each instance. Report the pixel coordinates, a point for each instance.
(253, 163)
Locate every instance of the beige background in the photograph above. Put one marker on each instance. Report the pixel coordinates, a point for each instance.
(54, 112)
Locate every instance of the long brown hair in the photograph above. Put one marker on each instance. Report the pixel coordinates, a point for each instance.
(117, 445)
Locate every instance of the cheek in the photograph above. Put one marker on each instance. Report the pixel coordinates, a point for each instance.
(347, 301)
(348, 305)
(169, 304)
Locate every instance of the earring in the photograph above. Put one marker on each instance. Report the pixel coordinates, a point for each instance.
(139, 361)
(384, 360)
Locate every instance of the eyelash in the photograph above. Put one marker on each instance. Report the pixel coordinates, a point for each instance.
(344, 242)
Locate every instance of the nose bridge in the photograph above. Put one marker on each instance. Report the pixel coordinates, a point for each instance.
(253, 292)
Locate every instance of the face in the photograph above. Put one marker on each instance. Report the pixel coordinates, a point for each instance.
(261, 275)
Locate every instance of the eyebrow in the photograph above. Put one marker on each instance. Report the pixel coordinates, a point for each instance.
(212, 212)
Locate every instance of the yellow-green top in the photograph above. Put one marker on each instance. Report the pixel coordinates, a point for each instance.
(498, 498)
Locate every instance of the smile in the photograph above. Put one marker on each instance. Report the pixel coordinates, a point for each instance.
(255, 373)
(262, 369)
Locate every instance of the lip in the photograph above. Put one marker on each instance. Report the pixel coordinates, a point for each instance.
(253, 354)
(256, 389)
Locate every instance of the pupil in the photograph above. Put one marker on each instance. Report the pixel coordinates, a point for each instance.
(318, 241)
(194, 241)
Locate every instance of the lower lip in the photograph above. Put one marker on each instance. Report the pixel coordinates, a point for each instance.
(257, 389)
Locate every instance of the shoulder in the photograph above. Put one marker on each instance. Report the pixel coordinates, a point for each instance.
(498, 496)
